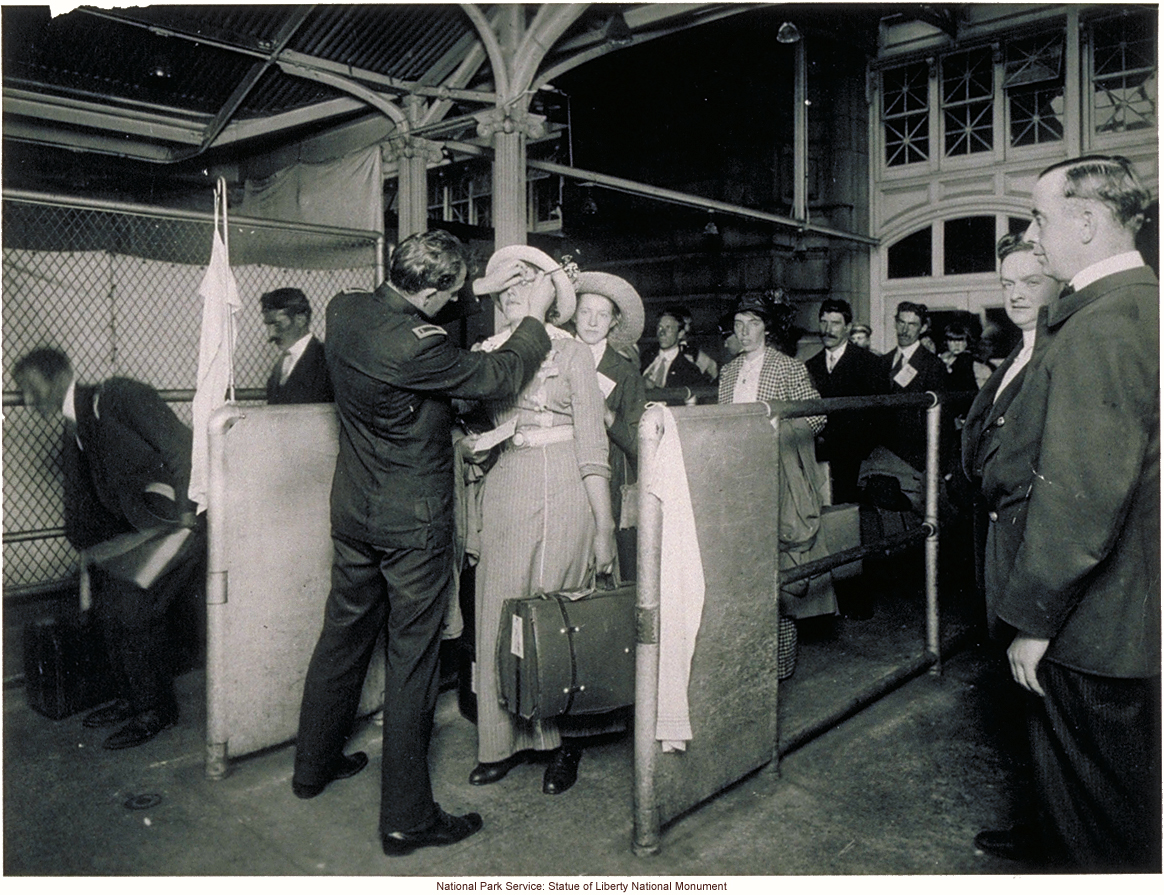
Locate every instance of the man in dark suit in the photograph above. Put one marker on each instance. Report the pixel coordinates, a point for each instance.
(910, 369)
(843, 370)
(669, 367)
(1076, 478)
(300, 374)
(126, 459)
(395, 375)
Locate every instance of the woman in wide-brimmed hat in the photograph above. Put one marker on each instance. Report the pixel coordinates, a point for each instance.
(546, 522)
(609, 319)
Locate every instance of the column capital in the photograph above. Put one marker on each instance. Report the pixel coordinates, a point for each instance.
(510, 121)
(399, 148)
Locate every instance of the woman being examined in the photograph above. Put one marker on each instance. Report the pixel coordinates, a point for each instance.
(609, 318)
(760, 372)
(546, 522)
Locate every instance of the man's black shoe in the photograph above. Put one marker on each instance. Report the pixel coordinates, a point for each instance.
(143, 728)
(1019, 843)
(562, 770)
(115, 713)
(445, 830)
(491, 771)
(346, 766)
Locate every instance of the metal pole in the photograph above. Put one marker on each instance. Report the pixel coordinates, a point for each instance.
(646, 811)
(933, 427)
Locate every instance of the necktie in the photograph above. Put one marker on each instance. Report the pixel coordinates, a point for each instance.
(830, 361)
(284, 367)
(897, 364)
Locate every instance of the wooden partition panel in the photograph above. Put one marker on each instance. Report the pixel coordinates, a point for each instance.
(732, 472)
(269, 573)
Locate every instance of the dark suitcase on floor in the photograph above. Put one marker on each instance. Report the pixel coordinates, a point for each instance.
(65, 668)
(558, 656)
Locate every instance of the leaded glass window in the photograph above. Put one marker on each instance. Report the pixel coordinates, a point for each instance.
(1034, 89)
(906, 116)
(1123, 69)
(968, 102)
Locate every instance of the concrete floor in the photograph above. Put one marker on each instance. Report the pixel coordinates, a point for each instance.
(899, 788)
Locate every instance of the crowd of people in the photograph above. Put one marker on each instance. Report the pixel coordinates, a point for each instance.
(1059, 444)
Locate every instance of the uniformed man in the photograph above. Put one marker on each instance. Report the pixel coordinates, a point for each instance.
(395, 373)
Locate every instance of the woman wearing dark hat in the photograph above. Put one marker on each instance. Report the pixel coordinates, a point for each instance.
(546, 522)
(762, 373)
(609, 318)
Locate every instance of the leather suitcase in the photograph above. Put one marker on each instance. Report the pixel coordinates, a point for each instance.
(558, 656)
(840, 524)
(65, 668)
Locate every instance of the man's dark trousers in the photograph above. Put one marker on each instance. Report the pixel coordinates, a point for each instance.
(407, 590)
(135, 627)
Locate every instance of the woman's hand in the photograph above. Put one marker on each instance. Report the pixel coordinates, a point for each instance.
(605, 550)
(469, 453)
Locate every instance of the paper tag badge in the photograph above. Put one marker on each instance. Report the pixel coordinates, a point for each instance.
(905, 375)
(516, 644)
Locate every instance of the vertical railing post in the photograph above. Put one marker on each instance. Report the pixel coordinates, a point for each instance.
(933, 429)
(646, 824)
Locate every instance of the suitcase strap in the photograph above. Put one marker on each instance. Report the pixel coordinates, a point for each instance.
(569, 630)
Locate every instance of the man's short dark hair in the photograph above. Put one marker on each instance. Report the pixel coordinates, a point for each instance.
(431, 260)
(1011, 243)
(923, 313)
(1109, 179)
(674, 311)
(290, 300)
(836, 306)
(49, 362)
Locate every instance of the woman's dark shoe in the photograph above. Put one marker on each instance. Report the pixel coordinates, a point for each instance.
(445, 830)
(562, 770)
(116, 712)
(346, 766)
(491, 771)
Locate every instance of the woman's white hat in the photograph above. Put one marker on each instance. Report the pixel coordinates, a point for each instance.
(632, 317)
(567, 300)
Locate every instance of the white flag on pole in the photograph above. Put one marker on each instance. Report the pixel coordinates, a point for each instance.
(220, 304)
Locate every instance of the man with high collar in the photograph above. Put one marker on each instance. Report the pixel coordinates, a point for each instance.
(1074, 489)
(843, 370)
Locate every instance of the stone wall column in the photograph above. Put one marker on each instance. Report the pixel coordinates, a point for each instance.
(508, 130)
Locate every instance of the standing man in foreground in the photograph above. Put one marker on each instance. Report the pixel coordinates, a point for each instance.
(1075, 494)
(394, 374)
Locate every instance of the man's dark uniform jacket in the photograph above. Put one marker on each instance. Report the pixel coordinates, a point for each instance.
(309, 382)
(395, 374)
(682, 372)
(848, 436)
(904, 432)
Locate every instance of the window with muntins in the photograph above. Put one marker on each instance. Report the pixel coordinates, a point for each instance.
(906, 114)
(1123, 72)
(968, 102)
(1034, 89)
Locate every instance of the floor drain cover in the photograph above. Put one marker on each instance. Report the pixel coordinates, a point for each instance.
(140, 803)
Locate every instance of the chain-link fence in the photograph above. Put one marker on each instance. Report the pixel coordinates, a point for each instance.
(116, 287)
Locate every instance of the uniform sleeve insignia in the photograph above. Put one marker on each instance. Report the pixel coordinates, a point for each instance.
(428, 329)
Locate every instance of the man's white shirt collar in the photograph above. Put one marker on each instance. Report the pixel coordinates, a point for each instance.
(69, 406)
(908, 352)
(296, 351)
(1105, 268)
